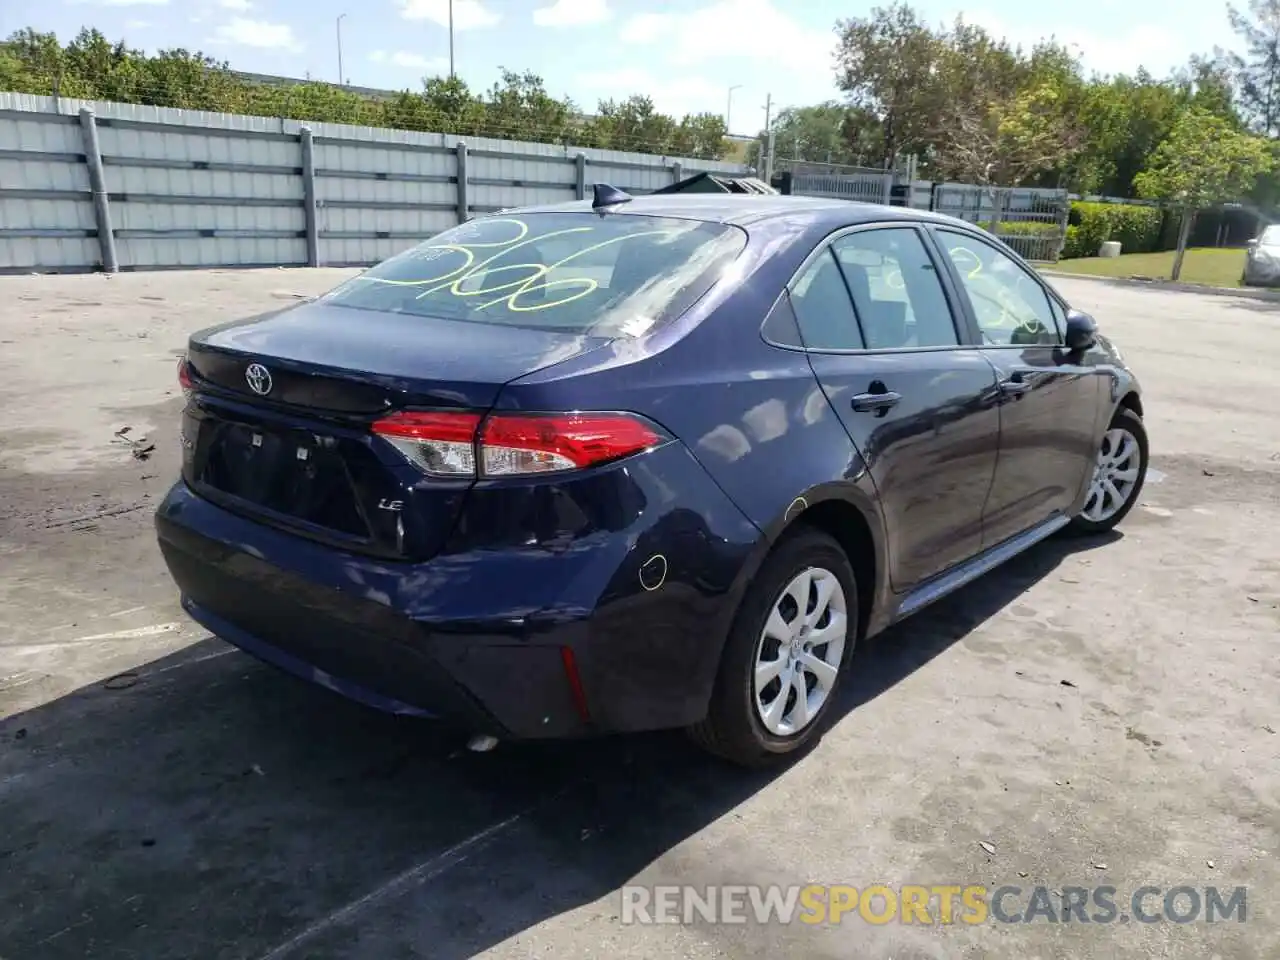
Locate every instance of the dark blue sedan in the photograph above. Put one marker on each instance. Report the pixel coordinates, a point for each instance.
(638, 463)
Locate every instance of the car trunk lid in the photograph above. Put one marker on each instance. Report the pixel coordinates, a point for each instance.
(279, 422)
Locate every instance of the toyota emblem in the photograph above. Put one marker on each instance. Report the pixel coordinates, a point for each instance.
(259, 379)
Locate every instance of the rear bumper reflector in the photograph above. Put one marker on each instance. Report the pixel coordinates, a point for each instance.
(575, 683)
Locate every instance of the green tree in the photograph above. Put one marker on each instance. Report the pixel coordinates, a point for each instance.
(975, 79)
(1203, 162)
(1256, 69)
(519, 107)
(701, 135)
(1208, 83)
(181, 78)
(450, 99)
(1124, 119)
(887, 64)
(321, 102)
(630, 124)
(828, 133)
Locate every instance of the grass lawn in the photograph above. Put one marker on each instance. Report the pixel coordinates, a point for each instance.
(1208, 265)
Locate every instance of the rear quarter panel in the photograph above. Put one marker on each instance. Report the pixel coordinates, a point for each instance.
(753, 414)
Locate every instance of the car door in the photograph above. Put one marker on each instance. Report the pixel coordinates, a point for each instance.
(917, 402)
(1049, 396)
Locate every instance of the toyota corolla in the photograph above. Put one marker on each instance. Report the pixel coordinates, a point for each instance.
(636, 463)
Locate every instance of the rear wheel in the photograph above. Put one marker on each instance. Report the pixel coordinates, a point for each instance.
(784, 657)
(1118, 474)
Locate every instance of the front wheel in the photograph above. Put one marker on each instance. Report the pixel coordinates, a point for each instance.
(1118, 474)
(785, 654)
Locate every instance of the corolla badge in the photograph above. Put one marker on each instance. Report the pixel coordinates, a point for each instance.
(259, 379)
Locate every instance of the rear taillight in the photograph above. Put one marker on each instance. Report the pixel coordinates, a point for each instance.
(184, 376)
(513, 445)
(442, 444)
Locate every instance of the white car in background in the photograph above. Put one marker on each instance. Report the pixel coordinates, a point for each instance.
(1262, 264)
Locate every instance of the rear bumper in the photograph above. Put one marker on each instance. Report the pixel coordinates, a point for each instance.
(346, 637)
(475, 638)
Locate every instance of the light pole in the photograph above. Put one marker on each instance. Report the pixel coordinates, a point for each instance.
(768, 130)
(450, 39)
(338, 25)
(728, 107)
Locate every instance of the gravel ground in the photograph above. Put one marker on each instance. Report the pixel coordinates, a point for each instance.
(1094, 713)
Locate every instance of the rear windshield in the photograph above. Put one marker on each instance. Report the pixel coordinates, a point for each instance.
(611, 275)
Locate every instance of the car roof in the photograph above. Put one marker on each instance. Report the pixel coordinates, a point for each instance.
(744, 209)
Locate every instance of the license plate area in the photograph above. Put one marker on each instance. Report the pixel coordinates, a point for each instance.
(294, 473)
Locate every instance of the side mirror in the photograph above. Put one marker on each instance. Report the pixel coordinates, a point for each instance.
(1082, 332)
(1253, 244)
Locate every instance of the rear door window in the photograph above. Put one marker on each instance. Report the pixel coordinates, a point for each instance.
(896, 290)
(616, 275)
(822, 306)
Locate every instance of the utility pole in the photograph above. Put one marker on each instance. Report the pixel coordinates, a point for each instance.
(450, 39)
(728, 109)
(341, 78)
(768, 131)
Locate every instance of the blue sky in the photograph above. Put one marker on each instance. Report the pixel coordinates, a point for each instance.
(686, 54)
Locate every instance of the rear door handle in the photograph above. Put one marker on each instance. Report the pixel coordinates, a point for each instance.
(876, 402)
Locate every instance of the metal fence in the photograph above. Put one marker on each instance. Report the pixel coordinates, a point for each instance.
(85, 186)
(862, 184)
(1032, 221)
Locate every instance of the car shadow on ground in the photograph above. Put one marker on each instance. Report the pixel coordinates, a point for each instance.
(212, 807)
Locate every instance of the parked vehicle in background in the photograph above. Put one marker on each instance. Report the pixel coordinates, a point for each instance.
(628, 464)
(1262, 261)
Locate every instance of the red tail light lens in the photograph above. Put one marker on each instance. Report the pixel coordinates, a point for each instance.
(511, 445)
(521, 445)
(184, 376)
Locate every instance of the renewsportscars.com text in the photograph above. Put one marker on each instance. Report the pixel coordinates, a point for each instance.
(929, 905)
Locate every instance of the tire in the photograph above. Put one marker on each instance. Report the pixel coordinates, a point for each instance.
(735, 727)
(1105, 519)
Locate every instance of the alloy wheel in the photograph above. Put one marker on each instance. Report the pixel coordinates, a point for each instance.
(1115, 475)
(800, 650)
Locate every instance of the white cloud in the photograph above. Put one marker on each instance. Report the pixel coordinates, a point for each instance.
(572, 13)
(742, 29)
(1121, 50)
(467, 14)
(136, 24)
(412, 61)
(673, 95)
(123, 3)
(1108, 53)
(240, 5)
(258, 33)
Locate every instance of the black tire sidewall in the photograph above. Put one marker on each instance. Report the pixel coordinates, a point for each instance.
(733, 707)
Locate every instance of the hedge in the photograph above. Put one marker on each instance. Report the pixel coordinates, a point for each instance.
(1022, 228)
(1090, 225)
